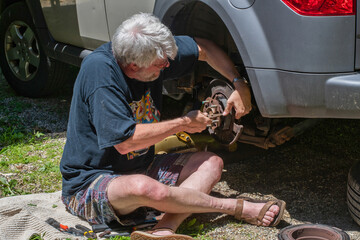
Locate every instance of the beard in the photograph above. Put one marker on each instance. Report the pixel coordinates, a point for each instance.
(148, 77)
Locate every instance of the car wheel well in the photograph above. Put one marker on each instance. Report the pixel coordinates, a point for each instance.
(5, 3)
(197, 19)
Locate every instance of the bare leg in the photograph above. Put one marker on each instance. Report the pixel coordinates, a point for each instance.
(200, 174)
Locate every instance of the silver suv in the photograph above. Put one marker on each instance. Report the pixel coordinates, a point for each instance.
(301, 57)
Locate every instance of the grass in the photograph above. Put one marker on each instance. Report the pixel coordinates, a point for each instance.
(29, 154)
(34, 165)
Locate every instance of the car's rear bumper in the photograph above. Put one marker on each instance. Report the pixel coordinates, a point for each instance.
(310, 95)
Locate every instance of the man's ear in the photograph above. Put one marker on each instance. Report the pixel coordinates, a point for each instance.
(133, 67)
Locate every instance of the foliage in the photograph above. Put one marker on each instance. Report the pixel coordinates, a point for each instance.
(37, 236)
(193, 228)
(7, 187)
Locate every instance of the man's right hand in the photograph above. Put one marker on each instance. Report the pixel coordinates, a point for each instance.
(196, 121)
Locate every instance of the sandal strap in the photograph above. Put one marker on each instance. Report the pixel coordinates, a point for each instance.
(239, 209)
(255, 220)
(263, 211)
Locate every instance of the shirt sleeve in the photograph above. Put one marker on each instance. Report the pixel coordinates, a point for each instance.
(185, 60)
(111, 116)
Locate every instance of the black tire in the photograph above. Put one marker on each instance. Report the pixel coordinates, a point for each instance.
(22, 59)
(353, 192)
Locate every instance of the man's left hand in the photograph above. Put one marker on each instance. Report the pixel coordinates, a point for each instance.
(240, 100)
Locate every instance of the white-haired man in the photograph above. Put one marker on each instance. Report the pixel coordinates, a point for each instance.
(109, 168)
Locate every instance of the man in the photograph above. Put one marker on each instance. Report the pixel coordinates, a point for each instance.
(108, 165)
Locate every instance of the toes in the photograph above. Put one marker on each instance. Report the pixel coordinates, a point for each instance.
(268, 218)
(274, 209)
(270, 215)
(266, 221)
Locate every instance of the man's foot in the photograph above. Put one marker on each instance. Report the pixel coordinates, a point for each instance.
(260, 213)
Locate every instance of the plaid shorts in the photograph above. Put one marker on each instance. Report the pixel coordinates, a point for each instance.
(92, 203)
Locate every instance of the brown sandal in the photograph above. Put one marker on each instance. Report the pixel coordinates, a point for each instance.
(258, 220)
(138, 235)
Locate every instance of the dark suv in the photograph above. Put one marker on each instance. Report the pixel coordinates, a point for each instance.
(301, 57)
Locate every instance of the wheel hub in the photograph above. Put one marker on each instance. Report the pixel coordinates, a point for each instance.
(22, 51)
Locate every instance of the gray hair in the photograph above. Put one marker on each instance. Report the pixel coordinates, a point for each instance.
(142, 39)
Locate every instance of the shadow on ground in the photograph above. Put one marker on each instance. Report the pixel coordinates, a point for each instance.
(309, 173)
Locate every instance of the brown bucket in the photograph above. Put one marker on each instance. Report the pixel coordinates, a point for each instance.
(312, 232)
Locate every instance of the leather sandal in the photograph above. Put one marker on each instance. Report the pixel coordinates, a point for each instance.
(139, 235)
(258, 219)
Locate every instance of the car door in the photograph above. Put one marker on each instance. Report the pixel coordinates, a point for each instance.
(117, 11)
(80, 23)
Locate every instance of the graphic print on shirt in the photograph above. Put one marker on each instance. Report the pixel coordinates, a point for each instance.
(144, 111)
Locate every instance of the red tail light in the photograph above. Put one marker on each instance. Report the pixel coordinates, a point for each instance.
(322, 7)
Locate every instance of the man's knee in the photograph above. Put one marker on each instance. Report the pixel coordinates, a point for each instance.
(216, 163)
(211, 164)
(149, 189)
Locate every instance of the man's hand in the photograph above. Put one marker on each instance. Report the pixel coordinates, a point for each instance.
(196, 121)
(240, 100)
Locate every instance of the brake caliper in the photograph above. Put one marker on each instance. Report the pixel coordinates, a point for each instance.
(225, 129)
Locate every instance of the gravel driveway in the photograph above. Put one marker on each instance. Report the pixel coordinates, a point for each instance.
(309, 173)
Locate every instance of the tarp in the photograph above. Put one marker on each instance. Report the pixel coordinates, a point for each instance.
(23, 216)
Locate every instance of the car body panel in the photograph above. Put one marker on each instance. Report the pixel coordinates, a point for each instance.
(89, 23)
(91, 15)
(118, 11)
(61, 21)
(289, 58)
(357, 59)
(285, 40)
(283, 94)
(298, 66)
(242, 4)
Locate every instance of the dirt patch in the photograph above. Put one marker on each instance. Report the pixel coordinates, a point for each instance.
(309, 173)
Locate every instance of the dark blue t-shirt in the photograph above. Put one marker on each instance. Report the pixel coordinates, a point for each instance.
(105, 107)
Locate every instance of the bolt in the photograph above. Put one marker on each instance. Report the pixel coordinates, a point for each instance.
(206, 101)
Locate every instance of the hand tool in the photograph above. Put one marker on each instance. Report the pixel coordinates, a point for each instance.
(64, 228)
(87, 232)
(56, 224)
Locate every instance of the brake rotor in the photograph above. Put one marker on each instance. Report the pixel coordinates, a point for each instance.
(225, 129)
(312, 232)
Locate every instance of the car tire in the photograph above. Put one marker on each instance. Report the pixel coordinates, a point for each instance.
(353, 192)
(22, 59)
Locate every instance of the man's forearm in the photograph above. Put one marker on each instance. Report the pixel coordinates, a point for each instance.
(146, 135)
(216, 58)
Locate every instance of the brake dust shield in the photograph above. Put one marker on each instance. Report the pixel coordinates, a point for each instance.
(225, 129)
(312, 232)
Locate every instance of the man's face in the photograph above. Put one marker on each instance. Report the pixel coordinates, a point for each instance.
(152, 72)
